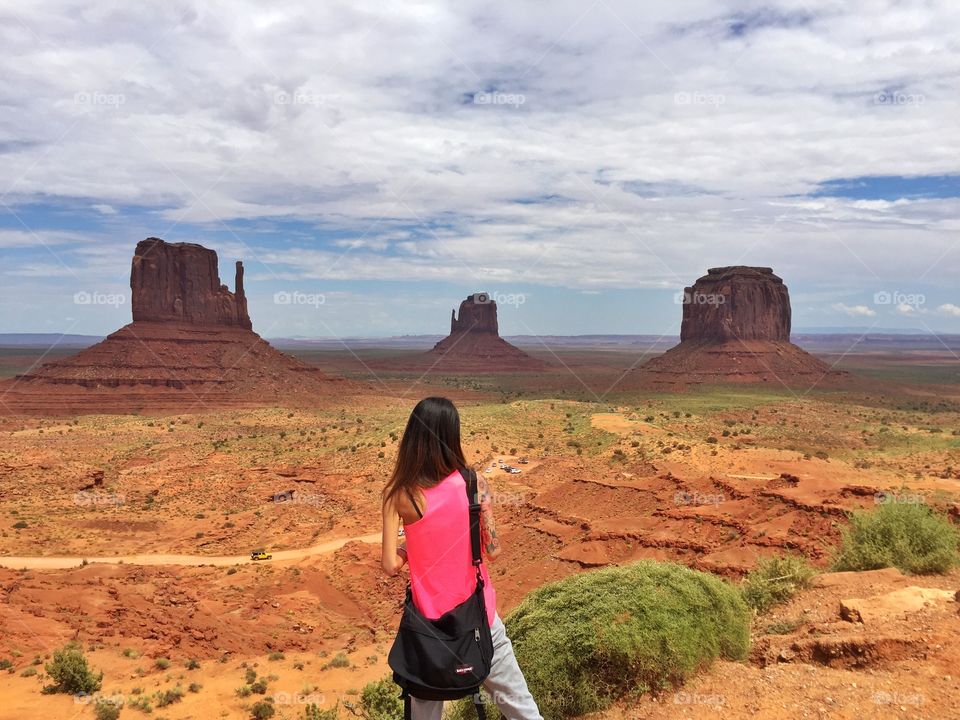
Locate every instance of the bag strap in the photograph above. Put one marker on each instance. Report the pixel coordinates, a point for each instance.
(478, 704)
(471, 477)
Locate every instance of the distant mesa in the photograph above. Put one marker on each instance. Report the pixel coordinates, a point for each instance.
(474, 341)
(181, 283)
(736, 303)
(736, 328)
(190, 345)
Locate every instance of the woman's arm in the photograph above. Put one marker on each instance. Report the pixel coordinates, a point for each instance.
(488, 527)
(393, 558)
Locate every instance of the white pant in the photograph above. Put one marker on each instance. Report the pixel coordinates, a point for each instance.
(505, 684)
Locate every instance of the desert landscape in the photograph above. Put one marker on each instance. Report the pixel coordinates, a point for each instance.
(129, 526)
(687, 272)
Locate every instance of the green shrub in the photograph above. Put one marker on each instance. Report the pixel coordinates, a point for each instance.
(774, 580)
(28, 672)
(908, 536)
(193, 664)
(594, 637)
(340, 660)
(162, 663)
(105, 709)
(313, 712)
(277, 655)
(250, 675)
(169, 696)
(379, 700)
(262, 709)
(71, 673)
(6, 664)
(259, 686)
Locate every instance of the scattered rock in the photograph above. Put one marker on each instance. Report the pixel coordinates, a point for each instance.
(879, 609)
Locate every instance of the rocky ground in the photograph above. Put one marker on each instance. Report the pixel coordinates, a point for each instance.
(713, 479)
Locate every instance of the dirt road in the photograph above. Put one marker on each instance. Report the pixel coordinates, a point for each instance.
(58, 562)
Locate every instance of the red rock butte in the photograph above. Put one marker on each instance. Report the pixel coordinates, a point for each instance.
(190, 346)
(474, 342)
(736, 328)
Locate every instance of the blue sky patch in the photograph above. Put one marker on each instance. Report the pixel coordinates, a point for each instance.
(891, 187)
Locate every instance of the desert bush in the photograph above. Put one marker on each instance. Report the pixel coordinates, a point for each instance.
(313, 712)
(6, 664)
(169, 696)
(28, 672)
(340, 660)
(908, 536)
(193, 664)
(249, 675)
(379, 700)
(276, 655)
(591, 638)
(774, 580)
(262, 710)
(259, 686)
(162, 663)
(71, 673)
(105, 709)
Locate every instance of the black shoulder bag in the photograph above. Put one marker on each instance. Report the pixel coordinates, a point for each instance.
(447, 658)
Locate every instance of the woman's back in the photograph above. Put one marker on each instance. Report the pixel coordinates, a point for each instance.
(438, 547)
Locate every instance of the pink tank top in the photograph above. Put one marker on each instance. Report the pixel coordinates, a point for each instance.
(438, 549)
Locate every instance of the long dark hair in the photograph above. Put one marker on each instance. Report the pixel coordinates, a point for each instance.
(430, 447)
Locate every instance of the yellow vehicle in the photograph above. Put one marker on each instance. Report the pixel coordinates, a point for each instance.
(260, 554)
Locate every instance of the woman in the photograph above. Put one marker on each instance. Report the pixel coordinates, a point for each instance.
(429, 494)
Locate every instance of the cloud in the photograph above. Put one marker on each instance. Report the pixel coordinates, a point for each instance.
(950, 310)
(654, 140)
(906, 309)
(854, 310)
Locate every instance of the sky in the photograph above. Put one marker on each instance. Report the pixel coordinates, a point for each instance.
(372, 163)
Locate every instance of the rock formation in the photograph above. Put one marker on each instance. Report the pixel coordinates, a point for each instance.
(180, 283)
(736, 328)
(736, 303)
(474, 342)
(190, 346)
